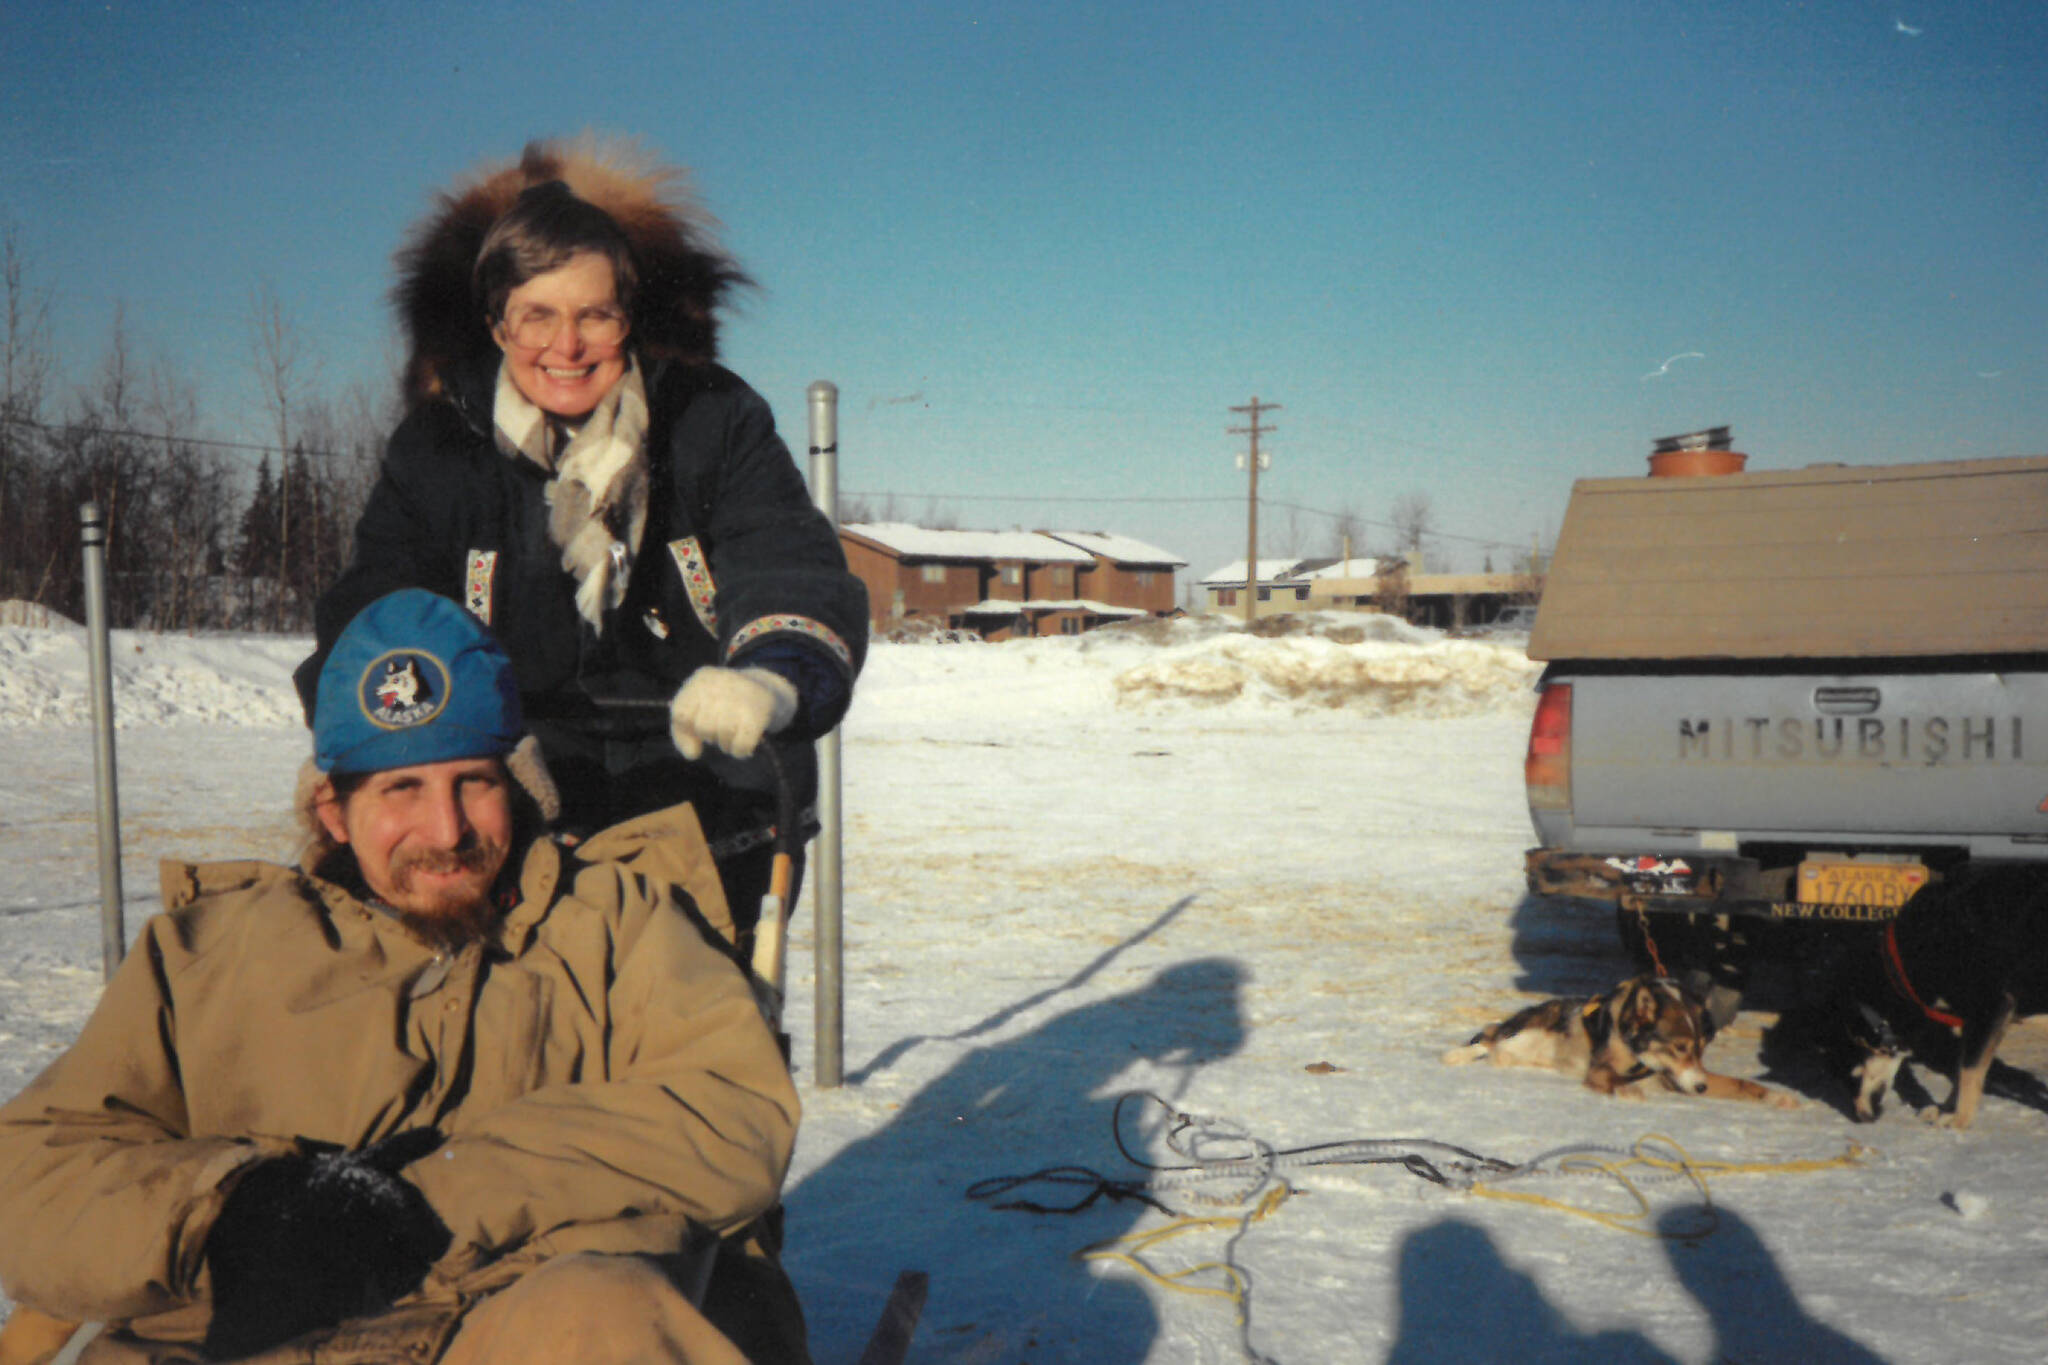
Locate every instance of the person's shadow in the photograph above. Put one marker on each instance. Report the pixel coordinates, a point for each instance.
(1566, 947)
(1461, 1303)
(1004, 1286)
(1755, 1315)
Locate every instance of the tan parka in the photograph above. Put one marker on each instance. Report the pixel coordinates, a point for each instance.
(602, 1075)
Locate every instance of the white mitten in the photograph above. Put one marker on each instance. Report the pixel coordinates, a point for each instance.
(729, 707)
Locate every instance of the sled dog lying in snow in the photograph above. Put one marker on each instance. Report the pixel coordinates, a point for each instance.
(1646, 1033)
(1941, 984)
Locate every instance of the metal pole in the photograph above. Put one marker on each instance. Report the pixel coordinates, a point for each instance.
(829, 1043)
(113, 933)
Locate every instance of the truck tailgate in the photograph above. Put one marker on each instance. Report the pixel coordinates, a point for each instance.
(1760, 754)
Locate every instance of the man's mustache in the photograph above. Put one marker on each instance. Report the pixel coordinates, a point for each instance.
(480, 855)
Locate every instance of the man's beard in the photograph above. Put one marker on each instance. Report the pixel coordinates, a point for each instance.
(448, 917)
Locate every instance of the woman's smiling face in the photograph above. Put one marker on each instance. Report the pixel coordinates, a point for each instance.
(584, 354)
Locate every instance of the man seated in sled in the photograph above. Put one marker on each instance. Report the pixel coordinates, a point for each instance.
(447, 1091)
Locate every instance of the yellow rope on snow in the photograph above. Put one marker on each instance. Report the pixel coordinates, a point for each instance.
(1653, 1151)
(1128, 1249)
(1642, 1154)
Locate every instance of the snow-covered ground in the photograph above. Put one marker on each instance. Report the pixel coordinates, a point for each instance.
(1269, 880)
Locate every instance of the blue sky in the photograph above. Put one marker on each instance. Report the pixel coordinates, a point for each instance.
(1044, 248)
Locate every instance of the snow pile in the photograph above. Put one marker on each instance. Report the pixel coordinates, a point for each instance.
(1360, 664)
(1440, 678)
(15, 612)
(158, 679)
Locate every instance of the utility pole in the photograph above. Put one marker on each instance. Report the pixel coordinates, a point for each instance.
(1251, 552)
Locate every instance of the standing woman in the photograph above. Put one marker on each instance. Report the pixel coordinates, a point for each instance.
(576, 469)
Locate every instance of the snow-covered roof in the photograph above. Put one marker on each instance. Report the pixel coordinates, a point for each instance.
(922, 542)
(1119, 549)
(1270, 571)
(1358, 566)
(993, 607)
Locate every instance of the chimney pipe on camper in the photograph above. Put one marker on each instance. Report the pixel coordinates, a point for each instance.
(1696, 453)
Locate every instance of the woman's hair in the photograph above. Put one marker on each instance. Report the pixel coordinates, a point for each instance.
(547, 225)
(673, 277)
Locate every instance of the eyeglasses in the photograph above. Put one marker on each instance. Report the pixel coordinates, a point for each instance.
(536, 328)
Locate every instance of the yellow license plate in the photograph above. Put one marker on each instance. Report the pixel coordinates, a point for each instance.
(1824, 881)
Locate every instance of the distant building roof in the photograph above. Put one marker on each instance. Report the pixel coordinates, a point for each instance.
(993, 607)
(1358, 566)
(921, 542)
(1270, 571)
(1119, 549)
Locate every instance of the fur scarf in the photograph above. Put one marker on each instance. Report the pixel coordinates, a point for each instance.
(685, 276)
(598, 497)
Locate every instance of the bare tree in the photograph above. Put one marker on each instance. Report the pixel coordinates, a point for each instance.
(24, 372)
(1529, 569)
(281, 364)
(97, 456)
(25, 359)
(1293, 535)
(345, 439)
(193, 489)
(1392, 595)
(1413, 520)
(1347, 533)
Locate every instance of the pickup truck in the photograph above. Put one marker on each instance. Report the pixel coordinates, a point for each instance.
(1775, 704)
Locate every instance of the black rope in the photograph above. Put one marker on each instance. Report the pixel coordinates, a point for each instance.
(1099, 1187)
(1408, 1153)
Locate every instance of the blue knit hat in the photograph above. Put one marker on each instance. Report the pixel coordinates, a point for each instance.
(413, 679)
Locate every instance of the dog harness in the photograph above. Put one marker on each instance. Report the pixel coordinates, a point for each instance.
(1895, 968)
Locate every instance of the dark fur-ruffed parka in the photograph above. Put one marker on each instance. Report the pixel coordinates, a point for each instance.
(685, 277)
(736, 566)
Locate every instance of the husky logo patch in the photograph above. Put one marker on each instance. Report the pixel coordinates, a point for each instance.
(403, 688)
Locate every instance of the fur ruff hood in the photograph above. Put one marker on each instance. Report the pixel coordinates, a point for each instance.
(685, 276)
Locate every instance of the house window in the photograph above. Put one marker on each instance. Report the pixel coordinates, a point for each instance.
(1013, 574)
(1301, 594)
(1070, 625)
(1226, 597)
(1144, 578)
(1265, 594)
(934, 573)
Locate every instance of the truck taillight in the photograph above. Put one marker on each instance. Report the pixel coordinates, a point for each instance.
(1548, 769)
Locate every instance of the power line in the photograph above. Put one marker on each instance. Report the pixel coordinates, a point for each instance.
(59, 428)
(64, 428)
(1018, 497)
(871, 495)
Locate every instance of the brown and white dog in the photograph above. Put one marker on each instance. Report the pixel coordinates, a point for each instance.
(1647, 1033)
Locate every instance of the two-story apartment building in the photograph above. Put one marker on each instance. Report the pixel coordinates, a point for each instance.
(1005, 583)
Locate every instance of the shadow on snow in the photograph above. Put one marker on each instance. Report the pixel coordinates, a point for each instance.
(1003, 1287)
(1567, 947)
(1461, 1302)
